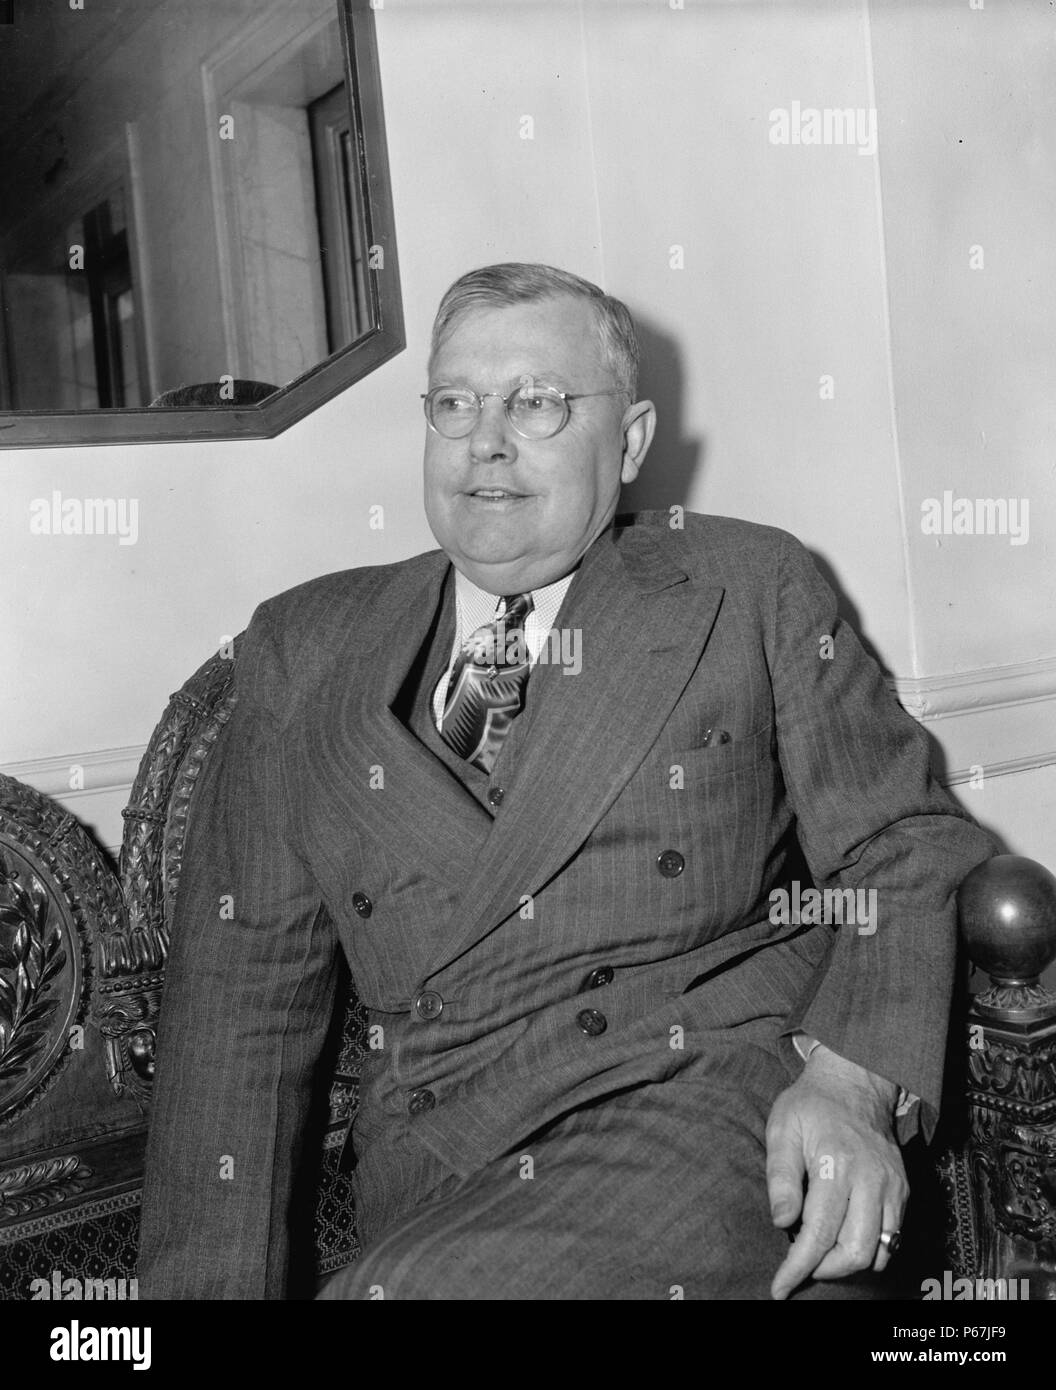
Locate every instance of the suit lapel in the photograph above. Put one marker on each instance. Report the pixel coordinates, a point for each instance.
(420, 806)
(644, 625)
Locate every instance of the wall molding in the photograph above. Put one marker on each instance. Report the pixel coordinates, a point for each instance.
(104, 770)
(1002, 769)
(986, 687)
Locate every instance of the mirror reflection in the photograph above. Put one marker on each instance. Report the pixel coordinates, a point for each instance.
(182, 205)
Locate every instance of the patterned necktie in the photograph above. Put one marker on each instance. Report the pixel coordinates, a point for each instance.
(486, 691)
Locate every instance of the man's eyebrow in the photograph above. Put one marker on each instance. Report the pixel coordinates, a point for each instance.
(541, 378)
(544, 378)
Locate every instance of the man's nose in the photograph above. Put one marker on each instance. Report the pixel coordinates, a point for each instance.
(492, 438)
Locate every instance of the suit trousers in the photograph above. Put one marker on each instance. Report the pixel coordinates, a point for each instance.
(656, 1192)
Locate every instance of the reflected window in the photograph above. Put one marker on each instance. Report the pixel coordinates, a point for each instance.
(342, 227)
(70, 316)
(106, 285)
(192, 192)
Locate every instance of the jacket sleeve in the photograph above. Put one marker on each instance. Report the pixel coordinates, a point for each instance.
(247, 1001)
(870, 817)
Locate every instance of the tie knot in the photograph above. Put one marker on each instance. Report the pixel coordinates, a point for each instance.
(518, 606)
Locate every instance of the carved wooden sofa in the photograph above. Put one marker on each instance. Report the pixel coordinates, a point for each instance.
(82, 955)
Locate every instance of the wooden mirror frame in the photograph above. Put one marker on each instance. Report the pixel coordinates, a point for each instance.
(28, 429)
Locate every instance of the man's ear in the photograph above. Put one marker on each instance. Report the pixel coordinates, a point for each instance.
(639, 426)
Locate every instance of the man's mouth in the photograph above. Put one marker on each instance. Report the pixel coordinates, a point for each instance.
(495, 494)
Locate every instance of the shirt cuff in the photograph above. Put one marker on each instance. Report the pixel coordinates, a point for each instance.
(805, 1045)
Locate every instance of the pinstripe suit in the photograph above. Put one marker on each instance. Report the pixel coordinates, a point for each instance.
(645, 1134)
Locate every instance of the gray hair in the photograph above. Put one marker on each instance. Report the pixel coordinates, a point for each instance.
(516, 282)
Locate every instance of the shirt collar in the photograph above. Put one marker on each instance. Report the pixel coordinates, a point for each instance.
(475, 607)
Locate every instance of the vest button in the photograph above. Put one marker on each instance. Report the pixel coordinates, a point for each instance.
(495, 795)
(670, 863)
(428, 1004)
(362, 904)
(602, 976)
(592, 1022)
(420, 1101)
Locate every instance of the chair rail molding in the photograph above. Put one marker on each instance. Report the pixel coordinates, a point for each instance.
(984, 688)
(72, 776)
(996, 719)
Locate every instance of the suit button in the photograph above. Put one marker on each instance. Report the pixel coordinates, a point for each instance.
(670, 863)
(592, 1022)
(428, 1004)
(420, 1101)
(362, 904)
(602, 976)
(495, 795)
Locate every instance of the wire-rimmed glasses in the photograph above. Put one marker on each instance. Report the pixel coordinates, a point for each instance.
(535, 412)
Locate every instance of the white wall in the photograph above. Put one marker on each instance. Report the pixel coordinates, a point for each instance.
(650, 131)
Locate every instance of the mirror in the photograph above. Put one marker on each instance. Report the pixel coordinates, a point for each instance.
(196, 233)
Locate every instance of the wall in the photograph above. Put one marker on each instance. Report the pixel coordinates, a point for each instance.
(650, 131)
(969, 180)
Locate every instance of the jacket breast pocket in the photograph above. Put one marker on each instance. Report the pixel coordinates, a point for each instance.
(724, 759)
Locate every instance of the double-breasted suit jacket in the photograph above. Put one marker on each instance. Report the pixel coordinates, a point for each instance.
(605, 922)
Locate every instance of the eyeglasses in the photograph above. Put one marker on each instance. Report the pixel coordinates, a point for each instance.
(535, 412)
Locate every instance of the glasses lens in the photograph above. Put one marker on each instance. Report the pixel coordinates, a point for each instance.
(450, 412)
(537, 411)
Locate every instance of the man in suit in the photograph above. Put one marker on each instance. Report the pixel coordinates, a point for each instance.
(549, 789)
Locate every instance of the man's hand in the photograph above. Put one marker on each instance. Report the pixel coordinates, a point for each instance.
(833, 1127)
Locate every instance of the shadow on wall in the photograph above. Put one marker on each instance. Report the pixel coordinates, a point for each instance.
(673, 462)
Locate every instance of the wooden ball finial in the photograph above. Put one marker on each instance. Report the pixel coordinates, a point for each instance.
(1007, 913)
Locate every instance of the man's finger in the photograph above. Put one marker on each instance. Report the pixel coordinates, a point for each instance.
(858, 1238)
(785, 1171)
(894, 1213)
(823, 1217)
